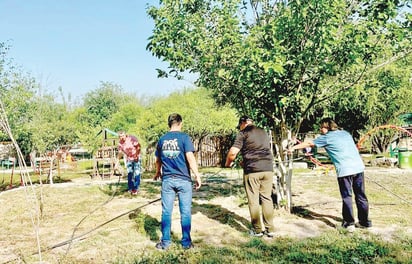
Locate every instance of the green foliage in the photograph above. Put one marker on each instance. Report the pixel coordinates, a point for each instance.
(328, 248)
(201, 116)
(376, 101)
(126, 118)
(36, 120)
(51, 129)
(102, 103)
(40, 123)
(277, 60)
(106, 107)
(282, 62)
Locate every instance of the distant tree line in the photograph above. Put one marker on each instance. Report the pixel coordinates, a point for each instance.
(42, 121)
(285, 63)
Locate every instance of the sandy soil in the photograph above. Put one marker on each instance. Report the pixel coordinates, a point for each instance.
(220, 215)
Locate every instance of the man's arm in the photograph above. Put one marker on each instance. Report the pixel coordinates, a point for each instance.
(306, 144)
(190, 157)
(158, 169)
(119, 152)
(119, 156)
(231, 156)
(137, 146)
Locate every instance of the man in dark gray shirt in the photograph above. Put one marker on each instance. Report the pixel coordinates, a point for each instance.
(254, 145)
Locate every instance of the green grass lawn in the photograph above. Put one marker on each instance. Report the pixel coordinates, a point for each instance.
(79, 209)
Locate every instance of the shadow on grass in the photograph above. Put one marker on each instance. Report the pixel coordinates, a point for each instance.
(224, 216)
(214, 186)
(146, 224)
(120, 188)
(311, 215)
(219, 184)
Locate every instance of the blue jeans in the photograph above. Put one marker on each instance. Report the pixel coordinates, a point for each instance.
(133, 175)
(183, 188)
(346, 185)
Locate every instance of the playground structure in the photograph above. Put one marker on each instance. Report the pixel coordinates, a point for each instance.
(400, 149)
(105, 158)
(44, 165)
(49, 163)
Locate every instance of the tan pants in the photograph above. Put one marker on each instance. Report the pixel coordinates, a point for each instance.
(258, 188)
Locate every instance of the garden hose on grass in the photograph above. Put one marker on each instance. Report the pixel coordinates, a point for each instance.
(84, 218)
(97, 227)
(82, 236)
(386, 189)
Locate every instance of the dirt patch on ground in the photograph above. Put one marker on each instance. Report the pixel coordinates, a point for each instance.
(220, 215)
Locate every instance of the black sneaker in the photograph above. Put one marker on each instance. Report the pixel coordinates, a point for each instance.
(269, 234)
(346, 224)
(190, 246)
(161, 246)
(368, 224)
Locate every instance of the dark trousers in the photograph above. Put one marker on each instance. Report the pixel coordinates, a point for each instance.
(346, 185)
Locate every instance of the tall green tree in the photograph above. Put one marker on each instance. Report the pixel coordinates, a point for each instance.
(202, 118)
(38, 123)
(102, 103)
(99, 106)
(201, 115)
(36, 120)
(17, 93)
(278, 60)
(379, 100)
(51, 127)
(127, 117)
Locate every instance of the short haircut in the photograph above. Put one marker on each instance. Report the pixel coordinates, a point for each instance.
(242, 119)
(174, 118)
(329, 123)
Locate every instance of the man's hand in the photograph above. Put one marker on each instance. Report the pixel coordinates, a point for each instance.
(198, 182)
(290, 150)
(156, 177)
(117, 165)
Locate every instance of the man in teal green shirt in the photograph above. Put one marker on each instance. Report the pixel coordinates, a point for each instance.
(349, 168)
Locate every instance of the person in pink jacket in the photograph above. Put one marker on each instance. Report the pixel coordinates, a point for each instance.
(130, 147)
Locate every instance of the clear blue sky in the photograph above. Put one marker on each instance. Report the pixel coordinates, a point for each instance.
(76, 44)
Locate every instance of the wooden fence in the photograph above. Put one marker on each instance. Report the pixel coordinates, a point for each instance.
(210, 151)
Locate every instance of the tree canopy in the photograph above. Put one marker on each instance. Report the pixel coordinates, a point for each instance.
(279, 61)
(41, 123)
(200, 114)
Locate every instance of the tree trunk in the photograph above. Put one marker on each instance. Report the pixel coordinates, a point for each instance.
(283, 173)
